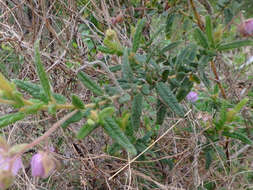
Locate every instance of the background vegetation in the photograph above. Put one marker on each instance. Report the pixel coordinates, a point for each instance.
(124, 69)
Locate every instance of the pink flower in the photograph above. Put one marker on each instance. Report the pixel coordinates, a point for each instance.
(192, 97)
(5, 164)
(42, 164)
(246, 28)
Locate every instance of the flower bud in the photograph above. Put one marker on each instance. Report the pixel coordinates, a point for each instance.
(43, 164)
(100, 56)
(246, 28)
(7, 162)
(192, 97)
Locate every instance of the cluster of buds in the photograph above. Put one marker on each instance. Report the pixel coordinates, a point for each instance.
(42, 164)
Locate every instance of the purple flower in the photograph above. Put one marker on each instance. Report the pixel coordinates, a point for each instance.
(192, 97)
(5, 164)
(246, 28)
(42, 164)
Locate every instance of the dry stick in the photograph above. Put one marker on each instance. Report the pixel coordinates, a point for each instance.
(173, 126)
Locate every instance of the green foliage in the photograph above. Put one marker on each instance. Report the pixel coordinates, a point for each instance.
(168, 98)
(137, 35)
(239, 136)
(136, 111)
(235, 44)
(90, 84)
(41, 72)
(126, 69)
(77, 102)
(114, 131)
(86, 129)
(11, 118)
(201, 38)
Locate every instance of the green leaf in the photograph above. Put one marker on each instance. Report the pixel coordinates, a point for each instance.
(106, 112)
(77, 102)
(41, 72)
(60, 99)
(104, 49)
(235, 44)
(124, 98)
(209, 30)
(33, 108)
(200, 37)
(239, 136)
(136, 111)
(137, 34)
(34, 90)
(184, 89)
(11, 118)
(74, 118)
(209, 158)
(37, 92)
(203, 62)
(126, 69)
(169, 23)
(170, 46)
(85, 130)
(161, 112)
(90, 84)
(114, 131)
(169, 99)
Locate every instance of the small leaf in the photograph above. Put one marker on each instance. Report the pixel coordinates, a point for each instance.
(60, 99)
(124, 98)
(11, 118)
(85, 130)
(77, 102)
(5, 86)
(52, 109)
(137, 35)
(126, 69)
(32, 109)
(114, 131)
(74, 118)
(170, 46)
(104, 49)
(209, 30)
(106, 112)
(136, 111)
(201, 38)
(90, 84)
(41, 72)
(203, 62)
(169, 99)
(235, 44)
(169, 23)
(161, 111)
(239, 136)
(37, 92)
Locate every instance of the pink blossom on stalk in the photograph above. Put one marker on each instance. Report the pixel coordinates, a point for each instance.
(42, 164)
(246, 28)
(5, 164)
(192, 96)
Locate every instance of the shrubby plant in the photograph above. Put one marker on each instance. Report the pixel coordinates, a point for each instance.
(150, 73)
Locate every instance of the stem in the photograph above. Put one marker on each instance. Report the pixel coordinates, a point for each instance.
(199, 21)
(45, 135)
(213, 67)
